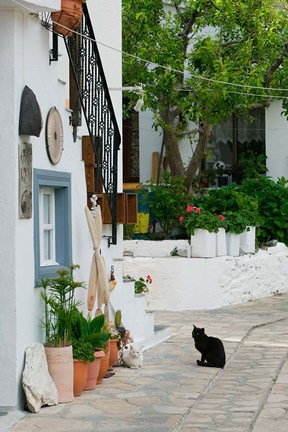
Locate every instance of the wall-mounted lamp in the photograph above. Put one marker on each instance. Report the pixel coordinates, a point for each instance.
(136, 89)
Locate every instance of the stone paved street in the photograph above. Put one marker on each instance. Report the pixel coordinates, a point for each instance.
(172, 393)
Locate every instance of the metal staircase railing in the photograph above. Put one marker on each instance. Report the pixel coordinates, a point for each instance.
(97, 109)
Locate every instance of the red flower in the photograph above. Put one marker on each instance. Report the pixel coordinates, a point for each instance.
(221, 217)
(198, 210)
(148, 279)
(190, 209)
(181, 218)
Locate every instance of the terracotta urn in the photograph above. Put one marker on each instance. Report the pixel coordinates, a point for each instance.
(80, 376)
(104, 364)
(60, 366)
(68, 18)
(113, 353)
(93, 370)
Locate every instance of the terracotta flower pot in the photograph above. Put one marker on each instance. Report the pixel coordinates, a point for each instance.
(60, 366)
(80, 376)
(93, 370)
(104, 364)
(113, 353)
(69, 16)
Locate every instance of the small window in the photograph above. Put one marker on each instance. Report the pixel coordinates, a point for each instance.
(52, 223)
(47, 226)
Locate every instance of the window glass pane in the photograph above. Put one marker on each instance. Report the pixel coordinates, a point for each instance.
(220, 147)
(46, 208)
(48, 245)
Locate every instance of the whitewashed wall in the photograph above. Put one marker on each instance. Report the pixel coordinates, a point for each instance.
(205, 283)
(276, 141)
(24, 52)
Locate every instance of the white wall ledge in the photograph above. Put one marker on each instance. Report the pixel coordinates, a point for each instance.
(207, 283)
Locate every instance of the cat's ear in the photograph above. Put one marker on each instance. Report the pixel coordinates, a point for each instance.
(194, 326)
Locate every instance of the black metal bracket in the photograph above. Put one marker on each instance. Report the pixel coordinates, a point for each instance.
(53, 54)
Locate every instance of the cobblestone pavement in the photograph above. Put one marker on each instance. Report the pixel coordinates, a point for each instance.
(172, 393)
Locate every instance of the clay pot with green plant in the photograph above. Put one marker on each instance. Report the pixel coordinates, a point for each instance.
(61, 311)
(91, 331)
(83, 354)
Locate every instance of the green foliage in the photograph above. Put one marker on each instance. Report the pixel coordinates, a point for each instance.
(252, 165)
(174, 252)
(167, 200)
(60, 307)
(235, 222)
(83, 351)
(272, 200)
(140, 285)
(118, 318)
(128, 231)
(91, 330)
(248, 38)
(200, 218)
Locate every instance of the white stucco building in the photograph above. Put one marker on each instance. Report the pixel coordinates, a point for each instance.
(25, 51)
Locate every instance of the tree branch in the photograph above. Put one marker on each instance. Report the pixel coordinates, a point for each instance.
(275, 65)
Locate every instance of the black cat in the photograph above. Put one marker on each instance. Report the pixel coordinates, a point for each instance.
(211, 349)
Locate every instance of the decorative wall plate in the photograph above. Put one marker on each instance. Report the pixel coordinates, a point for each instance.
(54, 135)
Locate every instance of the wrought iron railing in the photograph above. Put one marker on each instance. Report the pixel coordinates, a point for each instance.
(97, 109)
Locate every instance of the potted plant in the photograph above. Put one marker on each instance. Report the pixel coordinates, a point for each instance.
(140, 285)
(68, 18)
(60, 313)
(202, 225)
(83, 354)
(236, 223)
(90, 330)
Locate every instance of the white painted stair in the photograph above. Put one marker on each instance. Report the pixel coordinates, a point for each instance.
(135, 315)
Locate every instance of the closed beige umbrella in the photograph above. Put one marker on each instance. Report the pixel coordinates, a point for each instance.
(98, 281)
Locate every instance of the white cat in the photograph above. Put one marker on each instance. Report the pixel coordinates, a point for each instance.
(132, 356)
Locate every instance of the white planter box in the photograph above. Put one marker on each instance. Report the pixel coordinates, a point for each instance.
(203, 244)
(221, 247)
(233, 244)
(247, 240)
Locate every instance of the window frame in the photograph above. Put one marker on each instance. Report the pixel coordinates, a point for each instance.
(61, 183)
(47, 226)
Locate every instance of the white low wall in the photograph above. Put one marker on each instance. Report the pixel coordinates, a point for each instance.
(181, 283)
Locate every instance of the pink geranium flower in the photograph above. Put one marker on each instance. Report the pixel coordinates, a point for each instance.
(190, 209)
(181, 218)
(221, 217)
(148, 279)
(198, 210)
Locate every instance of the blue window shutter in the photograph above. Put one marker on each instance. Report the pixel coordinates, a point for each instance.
(61, 182)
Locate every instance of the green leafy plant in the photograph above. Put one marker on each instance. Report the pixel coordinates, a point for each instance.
(195, 217)
(174, 252)
(141, 286)
(253, 165)
(238, 207)
(235, 222)
(91, 330)
(83, 350)
(61, 307)
(272, 198)
(167, 200)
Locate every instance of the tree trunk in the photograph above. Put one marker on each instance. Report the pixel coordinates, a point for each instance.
(195, 162)
(170, 142)
(173, 155)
